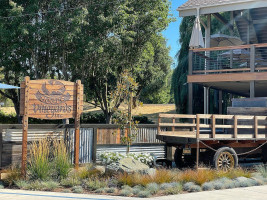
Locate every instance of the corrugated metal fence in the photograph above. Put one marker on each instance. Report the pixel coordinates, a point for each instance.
(94, 139)
(86, 144)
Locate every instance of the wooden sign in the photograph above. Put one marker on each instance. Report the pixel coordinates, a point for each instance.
(50, 99)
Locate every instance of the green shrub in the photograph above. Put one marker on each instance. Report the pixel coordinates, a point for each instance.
(165, 186)
(61, 159)
(77, 189)
(70, 181)
(35, 185)
(153, 188)
(208, 186)
(173, 190)
(144, 194)
(99, 190)
(110, 190)
(21, 184)
(14, 174)
(93, 118)
(262, 170)
(39, 163)
(66, 190)
(191, 187)
(143, 120)
(50, 185)
(1, 187)
(125, 193)
(94, 184)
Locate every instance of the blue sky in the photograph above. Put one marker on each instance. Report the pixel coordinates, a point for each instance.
(172, 32)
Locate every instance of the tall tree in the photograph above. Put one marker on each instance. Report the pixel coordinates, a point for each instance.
(92, 40)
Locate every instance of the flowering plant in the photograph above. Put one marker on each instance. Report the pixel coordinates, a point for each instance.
(107, 158)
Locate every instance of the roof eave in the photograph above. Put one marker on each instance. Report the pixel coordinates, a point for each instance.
(221, 8)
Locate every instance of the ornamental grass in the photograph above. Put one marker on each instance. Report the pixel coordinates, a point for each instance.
(39, 163)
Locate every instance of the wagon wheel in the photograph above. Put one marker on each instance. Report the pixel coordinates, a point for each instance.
(225, 159)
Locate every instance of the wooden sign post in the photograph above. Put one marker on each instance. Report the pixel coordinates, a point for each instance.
(50, 99)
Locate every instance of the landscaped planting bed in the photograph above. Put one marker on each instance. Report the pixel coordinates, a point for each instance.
(49, 169)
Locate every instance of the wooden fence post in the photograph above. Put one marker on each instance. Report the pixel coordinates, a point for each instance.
(25, 128)
(197, 137)
(77, 124)
(256, 126)
(235, 126)
(95, 144)
(213, 126)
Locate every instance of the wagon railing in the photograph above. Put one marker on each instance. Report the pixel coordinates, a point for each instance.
(210, 127)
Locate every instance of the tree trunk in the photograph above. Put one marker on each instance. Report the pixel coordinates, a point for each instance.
(17, 105)
(108, 117)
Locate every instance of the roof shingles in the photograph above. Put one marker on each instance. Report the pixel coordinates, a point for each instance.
(205, 3)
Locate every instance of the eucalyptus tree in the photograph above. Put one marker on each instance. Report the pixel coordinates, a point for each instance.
(92, 40)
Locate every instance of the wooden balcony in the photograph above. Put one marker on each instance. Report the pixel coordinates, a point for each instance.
(237, 69)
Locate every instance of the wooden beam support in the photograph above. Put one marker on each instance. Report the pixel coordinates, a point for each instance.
(256, 130)
(77, 125)
(213, 126)
(25, 128)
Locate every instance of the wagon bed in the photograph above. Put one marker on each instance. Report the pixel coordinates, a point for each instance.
(214, 132)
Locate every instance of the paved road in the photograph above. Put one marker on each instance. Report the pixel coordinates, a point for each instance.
(250, 193)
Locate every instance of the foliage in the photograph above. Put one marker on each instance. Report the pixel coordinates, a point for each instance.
(95, 183)
(71, 181)
(100, 190)
(173, 190)
(197, 176)
(14, 174)
(112, 157)
(262, 170)
(110, 190)
(77, 189)
(144, 194)
(61, 161)
(93, 41)
(93, 118)
(162, 176)
(125, 193)
(39, 163)
(153, 188)
(191, 187)
(125, 91)
(143, 120)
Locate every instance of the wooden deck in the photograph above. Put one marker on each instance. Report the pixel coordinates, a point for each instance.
(240, 70)
(213, 127)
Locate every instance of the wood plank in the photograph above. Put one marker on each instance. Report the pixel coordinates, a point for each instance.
(256, 130)
(205, 116)
(235, 126)
(176, 125)
(224, 126)
(213, 125)
(227, 77)
(223, 48)
(198, 126)
(224, 116)
(177, 116)
(205, 125)
(221, 70)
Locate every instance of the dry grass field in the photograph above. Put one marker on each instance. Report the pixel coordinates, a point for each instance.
(149, 110)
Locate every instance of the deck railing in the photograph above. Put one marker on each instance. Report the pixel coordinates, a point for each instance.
(223, 127)
(230, 59)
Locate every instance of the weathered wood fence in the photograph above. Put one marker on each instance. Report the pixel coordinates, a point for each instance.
(94, 139)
